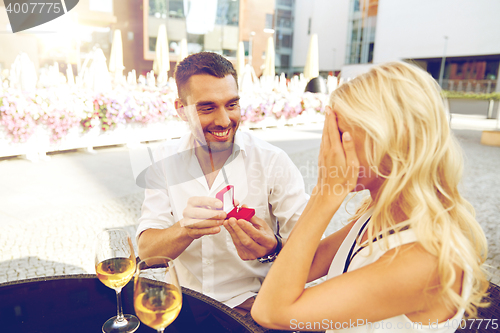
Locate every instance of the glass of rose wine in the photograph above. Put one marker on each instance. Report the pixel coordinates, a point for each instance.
(157, 292)
(115, 266)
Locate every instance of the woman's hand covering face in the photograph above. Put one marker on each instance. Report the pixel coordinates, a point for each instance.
(338, 164)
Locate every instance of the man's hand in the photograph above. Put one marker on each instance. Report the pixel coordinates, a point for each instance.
(202, 216)
(252, 239)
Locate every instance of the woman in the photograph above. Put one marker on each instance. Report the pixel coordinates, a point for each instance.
(411, 257)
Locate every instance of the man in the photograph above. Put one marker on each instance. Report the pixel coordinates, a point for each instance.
(181, 216)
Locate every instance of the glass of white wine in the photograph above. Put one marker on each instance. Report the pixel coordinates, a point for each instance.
(115, 266)
(157, 292)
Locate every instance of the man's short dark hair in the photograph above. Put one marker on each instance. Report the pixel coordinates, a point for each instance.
(202, 63)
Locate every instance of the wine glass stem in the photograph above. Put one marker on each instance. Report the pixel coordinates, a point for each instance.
(119, 316)
(160, 330)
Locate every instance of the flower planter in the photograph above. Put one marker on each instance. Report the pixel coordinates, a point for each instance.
(307, 117)
(55, 118)
(133, 133)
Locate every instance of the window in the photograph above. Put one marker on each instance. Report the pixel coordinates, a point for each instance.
(246, 45)
(284, 41)
(176, 9)
(229, 53)
(370, 52)
(158, 8)
(356, 5)
(207, 25)
(152, 43)
(287, 41)
(227, 12)
(269, 21)
(162, 8)
(285, 61)
(287, 3)
(362, 27)
(284, 18)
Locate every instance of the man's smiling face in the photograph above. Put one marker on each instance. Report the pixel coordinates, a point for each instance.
(216, 102)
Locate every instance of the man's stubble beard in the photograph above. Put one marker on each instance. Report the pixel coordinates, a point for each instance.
(218, 146)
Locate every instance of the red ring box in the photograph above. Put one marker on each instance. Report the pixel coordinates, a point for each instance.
(226, 195)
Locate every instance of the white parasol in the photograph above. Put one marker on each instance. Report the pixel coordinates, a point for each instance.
(183, 50)
(311, 69)
(240, 59)
(269, 62)
(161, 64)
(116, 58)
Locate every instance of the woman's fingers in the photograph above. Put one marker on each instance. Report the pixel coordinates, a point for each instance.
(328, 138)
(333, 130)
(352, 162)
(331, 145)
(325, 136)
(328, 109)
(324, 147)
(337, 155)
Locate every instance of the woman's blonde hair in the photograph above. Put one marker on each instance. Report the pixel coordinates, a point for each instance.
(410, 145)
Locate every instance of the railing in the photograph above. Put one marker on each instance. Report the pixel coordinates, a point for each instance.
(471, 86)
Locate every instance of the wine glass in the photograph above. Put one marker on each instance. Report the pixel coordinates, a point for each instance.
(157, 293)
(115, 266)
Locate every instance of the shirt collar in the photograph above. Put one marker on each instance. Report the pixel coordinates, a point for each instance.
(239, 143)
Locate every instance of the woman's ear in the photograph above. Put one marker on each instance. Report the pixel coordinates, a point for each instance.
(179, 107)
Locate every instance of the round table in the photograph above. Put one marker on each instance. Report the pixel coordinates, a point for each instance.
(81, 303)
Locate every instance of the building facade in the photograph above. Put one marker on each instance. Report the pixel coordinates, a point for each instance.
(329, 20)
(206, 25)
(67, 39)
(465, 32)
(365, 32)
(283, 27)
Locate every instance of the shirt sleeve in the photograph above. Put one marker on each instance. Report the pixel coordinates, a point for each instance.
(287, 195)
(156, 209)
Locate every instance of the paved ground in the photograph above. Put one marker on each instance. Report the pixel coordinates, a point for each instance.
(51, 211)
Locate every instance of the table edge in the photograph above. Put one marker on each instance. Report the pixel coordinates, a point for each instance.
(248, 323)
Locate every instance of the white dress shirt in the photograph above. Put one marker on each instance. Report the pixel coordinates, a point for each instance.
(264, 178)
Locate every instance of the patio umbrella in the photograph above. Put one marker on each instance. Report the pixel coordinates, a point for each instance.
(132, 78)
(23, 73)
(69, 74)
(248, 81)
(269, 62)
(100, 80)
(161, 64)
(183, 51)
(240, 59)
(116, 58)
(311, 69)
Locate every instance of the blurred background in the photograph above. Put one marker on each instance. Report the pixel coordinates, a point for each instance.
(352, 35)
